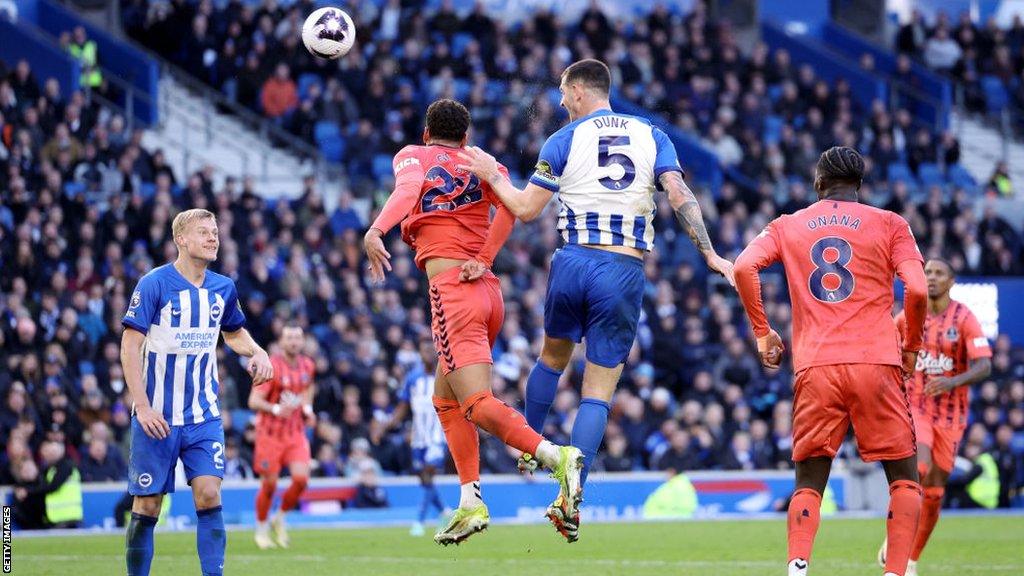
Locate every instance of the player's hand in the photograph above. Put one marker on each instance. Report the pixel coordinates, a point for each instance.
(260, 367)
(472, 269)
(480, 163)
(285, 410)
(377, 254)
(909, 363)
(152, 422)
(939, 385)
(723, 267)
(310, 419)
(770, 348)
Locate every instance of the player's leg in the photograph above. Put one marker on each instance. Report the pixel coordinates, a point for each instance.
(933, 482)
(613, 293)
(463, 440)
(563, 328)
(820, 422)
(924, 432)
(202, 454)
(297, 456)
(884, 428)
(150, 475)
(267, 464)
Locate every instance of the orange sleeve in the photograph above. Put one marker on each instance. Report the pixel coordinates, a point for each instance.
(915, 301)
(497, 234)
(903, 246)
(977, 343)
(760, 254)
(408, 182)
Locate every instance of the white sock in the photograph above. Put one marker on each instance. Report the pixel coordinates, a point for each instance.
(798, 567)
(548, 454)
(470, 495)
(262, 526)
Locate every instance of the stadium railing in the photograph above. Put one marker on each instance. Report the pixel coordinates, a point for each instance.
(927, 95)
(828, 66)
(117, 59)
(46, 60)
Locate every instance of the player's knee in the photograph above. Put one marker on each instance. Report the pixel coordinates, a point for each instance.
(555, 357)
(300, 482)
(206, 496)
(470, 405)
(147, 505)
(269, 485)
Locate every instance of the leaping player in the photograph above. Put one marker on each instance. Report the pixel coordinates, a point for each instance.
(445, 216)
(605, 168)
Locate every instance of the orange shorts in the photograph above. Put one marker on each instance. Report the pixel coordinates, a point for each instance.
(827, 399)
(944, 441)
(273, 453)
(465, 318)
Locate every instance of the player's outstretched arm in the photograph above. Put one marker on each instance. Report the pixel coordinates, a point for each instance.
(151, 421)
(259, 362)
(691, 218)
(497, 234)
(525, 204)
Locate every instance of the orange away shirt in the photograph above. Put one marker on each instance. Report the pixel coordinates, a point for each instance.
(288, 388)
(452, 214)
(840, 259)
(951, 340)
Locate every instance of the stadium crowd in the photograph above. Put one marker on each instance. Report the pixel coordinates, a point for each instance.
(85, 210)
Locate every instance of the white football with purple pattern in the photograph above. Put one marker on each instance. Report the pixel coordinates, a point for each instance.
(329, 33)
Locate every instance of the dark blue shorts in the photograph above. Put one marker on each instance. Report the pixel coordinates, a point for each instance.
(597, 295)
(433, 456)
(151, 462)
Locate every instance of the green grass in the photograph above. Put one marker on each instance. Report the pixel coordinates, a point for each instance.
(960, 545)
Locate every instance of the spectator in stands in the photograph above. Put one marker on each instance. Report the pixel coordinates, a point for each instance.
(942, 52)
(84, 50)
(280, 96)
(1000, 180)
(102, 464)
(61, 486)
(29, 497)
(369, 493)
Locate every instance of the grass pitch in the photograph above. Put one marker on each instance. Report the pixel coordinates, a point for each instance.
(965, 546)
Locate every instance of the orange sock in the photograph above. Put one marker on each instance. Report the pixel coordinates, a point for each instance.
(291, 496)
(264, 498)
(802, 523)
(501, 420)
(931, 505)
(901, 526)
(462, 437)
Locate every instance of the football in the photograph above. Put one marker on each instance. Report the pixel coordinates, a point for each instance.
(328, 33)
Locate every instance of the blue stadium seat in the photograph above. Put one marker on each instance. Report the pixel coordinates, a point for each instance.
(326, 129)
(930, 174)
(333, 148)
(996, 97)
(306, 81)
(772, 129)
(958, 176)
(240, 417)
(147, 189)
(381, 166)
(73, 188)
(459, 43)
(900, 172)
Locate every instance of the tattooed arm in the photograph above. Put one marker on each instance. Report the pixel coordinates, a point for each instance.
(688, 212)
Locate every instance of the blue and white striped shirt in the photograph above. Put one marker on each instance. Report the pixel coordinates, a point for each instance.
(182, 324)
(418, 391)
(605, 168)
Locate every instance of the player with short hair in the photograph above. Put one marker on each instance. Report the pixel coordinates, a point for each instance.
(285, 409)
(429, 451)
(605, 168)
(445, 217)
(954, 355)
(168, 352)
(841, 258)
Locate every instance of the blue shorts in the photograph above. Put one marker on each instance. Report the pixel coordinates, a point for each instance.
(597, 295)
(433, 455)
(151, 462)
